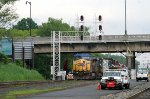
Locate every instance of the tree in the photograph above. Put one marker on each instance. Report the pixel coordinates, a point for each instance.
(54, 25)
(7, 13)
(7, 1)
(42, 64)
(24, 24)
(121, 59)
(2, 32)
(57, 25)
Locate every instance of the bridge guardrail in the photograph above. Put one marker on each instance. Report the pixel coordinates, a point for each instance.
(88, 39)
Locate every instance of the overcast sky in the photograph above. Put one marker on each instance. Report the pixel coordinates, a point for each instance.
(112, 11)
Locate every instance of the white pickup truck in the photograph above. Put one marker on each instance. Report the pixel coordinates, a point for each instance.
(112, 79)
(124, 76)
(142, 75)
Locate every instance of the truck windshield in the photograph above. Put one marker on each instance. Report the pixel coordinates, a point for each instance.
(142, 71)
(111, 74)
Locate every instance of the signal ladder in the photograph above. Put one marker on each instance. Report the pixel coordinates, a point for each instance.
(55, 47)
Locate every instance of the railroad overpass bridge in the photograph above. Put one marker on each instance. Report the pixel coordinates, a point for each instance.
(92, 44)
(71, 42)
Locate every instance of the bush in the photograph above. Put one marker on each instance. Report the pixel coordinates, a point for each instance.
(3, 58)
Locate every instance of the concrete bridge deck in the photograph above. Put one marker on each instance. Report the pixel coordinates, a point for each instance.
(88, 39)
(108, 43)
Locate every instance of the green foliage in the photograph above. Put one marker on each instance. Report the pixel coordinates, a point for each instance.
(42, 64)
(20, 63)
(33, 91)
(12, 94)
(12, 72)
(12, 33)
(17, 33)
(67, 59)
(2, 32)
(7, 1)
(7, 13)
(120, 58)
(53, 25)
(3, 58)
(98, 55)
(24, 24)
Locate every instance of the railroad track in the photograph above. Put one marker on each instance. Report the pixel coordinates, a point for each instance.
(143, 94)
(50, 83)
(133, 93)
(17, 83)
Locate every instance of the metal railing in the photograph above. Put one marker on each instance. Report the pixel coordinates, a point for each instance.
(75, 37)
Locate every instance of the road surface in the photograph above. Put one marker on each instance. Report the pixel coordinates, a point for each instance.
(86, 92)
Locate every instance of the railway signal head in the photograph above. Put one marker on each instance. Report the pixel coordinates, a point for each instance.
(81, 28)
(100, 37)
(82, 18)
(100, 18)
(100, 27)
(81, 37)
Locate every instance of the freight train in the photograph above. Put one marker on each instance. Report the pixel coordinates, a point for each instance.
(87, 67)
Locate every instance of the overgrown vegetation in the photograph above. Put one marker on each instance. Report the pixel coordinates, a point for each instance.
(66, 61)
(12, 72)
(3, 58)
(42, 64)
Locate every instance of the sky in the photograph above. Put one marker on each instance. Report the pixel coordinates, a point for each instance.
(112, 12)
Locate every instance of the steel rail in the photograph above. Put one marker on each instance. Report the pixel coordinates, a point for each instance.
(138, 93)
(17, 83)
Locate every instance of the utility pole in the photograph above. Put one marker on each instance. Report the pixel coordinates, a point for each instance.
(125, 20)
(27, 2)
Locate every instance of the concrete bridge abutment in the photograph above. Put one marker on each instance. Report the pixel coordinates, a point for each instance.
(130, 61)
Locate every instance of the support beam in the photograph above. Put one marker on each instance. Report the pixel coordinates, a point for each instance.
(133, 61)
(32, 58)
(129, 62)
(23, 56)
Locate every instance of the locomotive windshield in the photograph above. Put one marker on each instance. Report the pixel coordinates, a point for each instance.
(82, 56)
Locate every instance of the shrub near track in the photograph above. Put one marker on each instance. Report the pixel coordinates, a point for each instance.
(12, 72)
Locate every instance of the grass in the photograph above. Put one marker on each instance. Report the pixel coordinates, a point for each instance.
(7, 97)
(12, 72)
(13, 94)
(32, 91)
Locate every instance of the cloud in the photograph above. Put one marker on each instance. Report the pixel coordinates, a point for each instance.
(112, 12)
